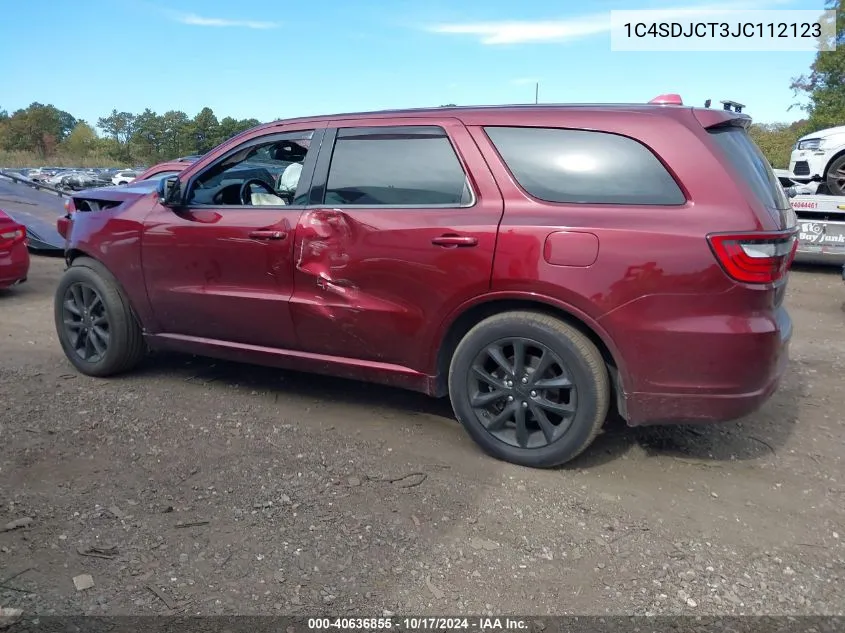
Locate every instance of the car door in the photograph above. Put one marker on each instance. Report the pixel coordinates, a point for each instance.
(218, 269)
(399, 233)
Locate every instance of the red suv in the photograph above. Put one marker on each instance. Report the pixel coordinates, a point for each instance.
(537, 264)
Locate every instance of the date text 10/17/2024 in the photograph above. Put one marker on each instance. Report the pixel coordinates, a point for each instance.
(419, 624)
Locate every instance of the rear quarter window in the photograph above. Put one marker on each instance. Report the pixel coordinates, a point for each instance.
(751, 165)
(581, 166)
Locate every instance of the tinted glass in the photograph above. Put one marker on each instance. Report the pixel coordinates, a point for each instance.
(396, 166)
(560, 165)
(751, 165)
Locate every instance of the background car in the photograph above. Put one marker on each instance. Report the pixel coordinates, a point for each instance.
(124, 177)
(14, 256)
(169, 168)
(821, 155)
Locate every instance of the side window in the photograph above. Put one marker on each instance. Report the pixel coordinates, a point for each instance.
(560, 165)
(396, 166)
(256, 174)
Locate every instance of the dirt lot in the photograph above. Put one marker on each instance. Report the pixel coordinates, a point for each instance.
(313, 495)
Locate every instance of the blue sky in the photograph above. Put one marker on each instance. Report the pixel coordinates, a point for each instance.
(272, 59)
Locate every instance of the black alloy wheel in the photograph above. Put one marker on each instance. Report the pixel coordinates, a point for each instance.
(522, 392)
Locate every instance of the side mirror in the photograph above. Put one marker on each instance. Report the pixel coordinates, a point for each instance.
(170, 192)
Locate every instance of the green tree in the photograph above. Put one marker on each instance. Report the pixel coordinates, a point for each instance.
(205, 130)
(776, 140)
(147, 140)
(119, 127)
(824, 86)
(81, 142)
(38, 128)
(230, 127)
(176, 127)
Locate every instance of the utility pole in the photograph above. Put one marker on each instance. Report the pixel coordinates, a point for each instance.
(537, 93)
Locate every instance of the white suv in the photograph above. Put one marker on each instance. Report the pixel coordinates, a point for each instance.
(124, 177)
(821, 155)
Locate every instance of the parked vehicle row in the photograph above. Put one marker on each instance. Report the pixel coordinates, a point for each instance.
(67, 179)
(539, 265)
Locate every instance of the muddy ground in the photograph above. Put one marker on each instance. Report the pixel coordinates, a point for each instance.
(213, 488)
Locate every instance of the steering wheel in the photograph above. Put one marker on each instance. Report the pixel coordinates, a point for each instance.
(246, 193)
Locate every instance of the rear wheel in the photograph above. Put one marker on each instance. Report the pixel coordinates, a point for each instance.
(836, 177)
(94, 323)
(529, 388)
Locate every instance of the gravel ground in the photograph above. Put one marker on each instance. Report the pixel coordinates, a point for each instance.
(199, 487)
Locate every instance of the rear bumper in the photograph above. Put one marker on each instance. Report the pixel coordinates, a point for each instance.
(14, 265)
(764, 357)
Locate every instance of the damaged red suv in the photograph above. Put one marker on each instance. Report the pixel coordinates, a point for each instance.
(539, 265)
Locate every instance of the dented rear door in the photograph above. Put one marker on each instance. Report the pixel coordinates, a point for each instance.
(401, 230)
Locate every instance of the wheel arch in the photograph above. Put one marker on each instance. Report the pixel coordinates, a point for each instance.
(465, 319)
(832, 160)
(72, 254)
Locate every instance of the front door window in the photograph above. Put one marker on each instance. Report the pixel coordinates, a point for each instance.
(260, 174)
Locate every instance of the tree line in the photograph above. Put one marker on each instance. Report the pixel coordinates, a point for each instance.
(43, 133)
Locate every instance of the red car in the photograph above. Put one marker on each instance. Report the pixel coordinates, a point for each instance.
(539, 265)
(163, 170)
(14, 256)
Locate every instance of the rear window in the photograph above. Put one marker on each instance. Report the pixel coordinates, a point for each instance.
(751, 165)
(561, 165)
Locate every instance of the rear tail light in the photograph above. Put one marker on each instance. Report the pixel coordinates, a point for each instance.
(11, 236)
(63, 223)
(755, 258)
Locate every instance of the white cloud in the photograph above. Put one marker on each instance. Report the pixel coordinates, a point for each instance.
(198, 20)
(520, 32)
(524, 81)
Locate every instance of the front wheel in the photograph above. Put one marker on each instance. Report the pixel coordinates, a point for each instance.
(529, 388)
(836, 177)
(94, 323)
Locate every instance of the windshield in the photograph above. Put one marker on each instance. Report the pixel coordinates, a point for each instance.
(751, 165)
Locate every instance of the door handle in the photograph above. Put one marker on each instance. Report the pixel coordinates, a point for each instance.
(268, 235)
(455, 240)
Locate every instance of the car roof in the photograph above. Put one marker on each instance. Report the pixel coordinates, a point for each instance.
(517, 111)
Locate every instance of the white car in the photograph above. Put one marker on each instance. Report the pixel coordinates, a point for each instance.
(821, 155)
(124, 177)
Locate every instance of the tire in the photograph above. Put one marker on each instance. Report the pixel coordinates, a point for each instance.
(569, 350)
(835, 179)
(124, 347)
